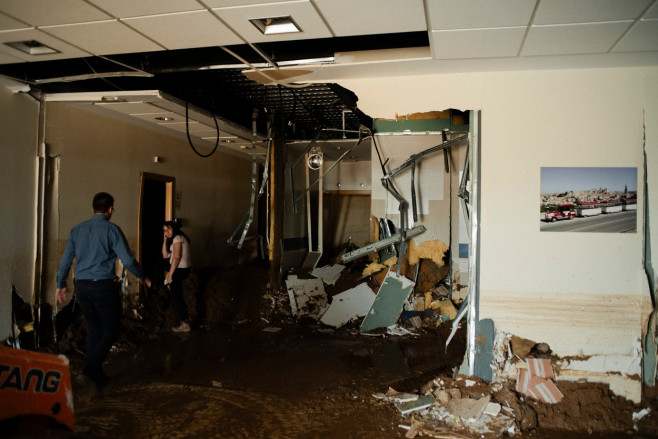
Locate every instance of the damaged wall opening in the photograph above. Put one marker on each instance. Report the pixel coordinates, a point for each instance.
(408, 185)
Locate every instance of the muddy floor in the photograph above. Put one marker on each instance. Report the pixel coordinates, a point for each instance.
(248, 369)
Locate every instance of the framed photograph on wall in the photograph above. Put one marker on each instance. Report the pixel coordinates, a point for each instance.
(588, 199)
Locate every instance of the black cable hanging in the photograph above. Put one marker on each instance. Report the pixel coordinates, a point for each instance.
(187, 131)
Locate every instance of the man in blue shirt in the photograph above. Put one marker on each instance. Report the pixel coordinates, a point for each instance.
(95, 244)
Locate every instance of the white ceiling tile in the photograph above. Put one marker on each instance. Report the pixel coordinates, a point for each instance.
(153, 117)
(8, 23)
(302, 12)
(588, 11)
(65, 50)
(346, 17)
(642, 37)
(231, 3)
(192, 126)
(103, 37)
(5, 58)
(129, 108)
(183, 30)
(573, 38)
(212, 134)
(652, 12)
(476, 14)
(480, 43)
(132, 8)
(45, 13)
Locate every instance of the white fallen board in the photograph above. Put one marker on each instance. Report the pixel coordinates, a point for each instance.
(307, 296)
(349, 304)
(387, 306)
(422, 402)
(329, 273)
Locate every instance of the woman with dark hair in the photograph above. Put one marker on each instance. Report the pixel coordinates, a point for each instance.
(176, 248)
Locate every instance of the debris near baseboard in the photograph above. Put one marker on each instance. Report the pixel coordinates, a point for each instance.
(537, 381)
(641, 414)
(421, 403)
(459, 409)
(418, 427)
(407, 402)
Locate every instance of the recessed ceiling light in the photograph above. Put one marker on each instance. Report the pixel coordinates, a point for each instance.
(275, 25)
(32, 47)
(164, 118)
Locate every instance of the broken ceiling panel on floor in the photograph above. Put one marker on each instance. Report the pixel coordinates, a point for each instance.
(388, 304)
(348, 305)
(307, 296)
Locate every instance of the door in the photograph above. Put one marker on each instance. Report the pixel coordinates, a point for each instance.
(155, 207)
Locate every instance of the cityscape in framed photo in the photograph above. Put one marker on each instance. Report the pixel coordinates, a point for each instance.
(588, 199)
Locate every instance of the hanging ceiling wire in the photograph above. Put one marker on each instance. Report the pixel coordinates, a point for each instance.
(189, 139)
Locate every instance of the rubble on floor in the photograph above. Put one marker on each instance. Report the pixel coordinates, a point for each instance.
(449, 407)
(472, 408)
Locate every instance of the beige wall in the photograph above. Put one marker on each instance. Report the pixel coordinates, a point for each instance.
(549, 118)
(19, 117)
(102, 154)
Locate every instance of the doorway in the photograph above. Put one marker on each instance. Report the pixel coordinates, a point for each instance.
(155, 207)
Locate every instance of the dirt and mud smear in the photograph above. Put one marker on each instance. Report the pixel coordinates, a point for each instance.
(248, 369)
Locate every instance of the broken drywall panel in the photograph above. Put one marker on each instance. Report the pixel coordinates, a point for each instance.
(395, 396)
(307, 296)
(387, 306)
(329, 273)
(492, 409)
(485, 335)
(468, 408)
(348, 305)
(422, 402)
(398, 330)
(293, 301)
(311, 260)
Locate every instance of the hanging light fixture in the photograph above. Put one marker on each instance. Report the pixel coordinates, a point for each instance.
(315, 158)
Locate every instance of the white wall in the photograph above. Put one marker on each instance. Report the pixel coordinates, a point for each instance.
(19, 117)
(583, 294)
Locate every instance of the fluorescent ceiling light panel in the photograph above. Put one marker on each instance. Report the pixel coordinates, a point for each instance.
(275, 25)
(32, 47)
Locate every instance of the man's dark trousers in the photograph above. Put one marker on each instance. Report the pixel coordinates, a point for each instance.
(100, 301)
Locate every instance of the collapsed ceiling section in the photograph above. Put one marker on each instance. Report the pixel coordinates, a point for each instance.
(230, 82)
(228, 58)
